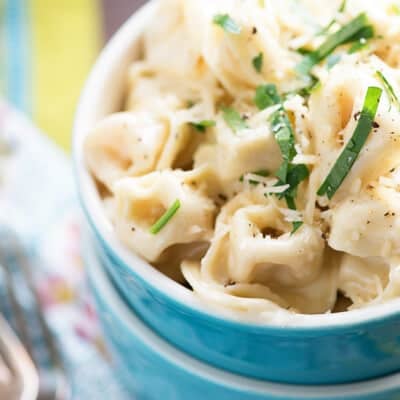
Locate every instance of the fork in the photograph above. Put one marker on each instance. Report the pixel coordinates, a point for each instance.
(18, 376)
(17, 271)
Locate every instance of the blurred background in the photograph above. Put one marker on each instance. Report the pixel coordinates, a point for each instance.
(47, 48)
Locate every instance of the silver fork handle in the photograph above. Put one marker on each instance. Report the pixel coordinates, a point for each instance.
(20, 363)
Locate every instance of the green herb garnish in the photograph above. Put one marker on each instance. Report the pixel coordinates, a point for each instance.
(266, 96)
(233, 119)
(227, 23)
(351, 151)
(307, 90)
(358, 46)
(297, 173)
(342, 7)
(347, 33)
(303, 51)
(258, 62)
(288, 173)
(165, 218)
(202, 126)
(364, 33)
(389, 89)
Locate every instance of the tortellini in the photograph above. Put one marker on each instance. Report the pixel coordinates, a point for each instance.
(125, 144)
(253, 249)
(231, 156)
(334, 113)
(218, 187)
(142, 201)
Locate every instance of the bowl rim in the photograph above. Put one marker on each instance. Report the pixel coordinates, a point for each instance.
(113, 52)
(103, 288)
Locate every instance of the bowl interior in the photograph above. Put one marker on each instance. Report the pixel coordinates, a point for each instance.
(103, 95)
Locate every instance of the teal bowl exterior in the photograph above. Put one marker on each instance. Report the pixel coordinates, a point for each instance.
(315, 355)
(151, 369)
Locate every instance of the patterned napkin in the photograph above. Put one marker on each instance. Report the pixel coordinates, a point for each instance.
(38, 201)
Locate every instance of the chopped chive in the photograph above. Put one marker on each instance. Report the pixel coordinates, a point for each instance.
(342, 7)
(288, 173)
(312, 87)
(389, 89)
(297, 173)
(266, 96)
(261, 172)
(165, 218)
(227, 23)
(358, 46)
(303, 51)
(190, 104)
(233, 119)
(351, 151)
(258, 62)
(367, 32)
(202, 126)
(338, 38)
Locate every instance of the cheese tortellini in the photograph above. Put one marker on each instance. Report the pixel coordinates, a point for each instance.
(212, 169)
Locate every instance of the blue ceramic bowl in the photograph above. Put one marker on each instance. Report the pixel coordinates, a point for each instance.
(322, 349)
(152, 369)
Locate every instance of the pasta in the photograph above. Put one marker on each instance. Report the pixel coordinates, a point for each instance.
(257, 155)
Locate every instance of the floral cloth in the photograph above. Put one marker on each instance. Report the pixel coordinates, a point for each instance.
(38, 201)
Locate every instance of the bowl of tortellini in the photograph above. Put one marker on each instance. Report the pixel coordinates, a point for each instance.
(238, 163)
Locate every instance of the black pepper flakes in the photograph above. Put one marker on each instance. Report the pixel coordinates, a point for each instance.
(254, 30)
(222, 197)
(357, 115)
(375, 125)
